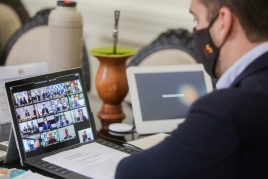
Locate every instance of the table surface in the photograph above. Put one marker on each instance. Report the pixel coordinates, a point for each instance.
(95, 105)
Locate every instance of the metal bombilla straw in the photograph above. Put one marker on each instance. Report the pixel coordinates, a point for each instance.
(115, 31)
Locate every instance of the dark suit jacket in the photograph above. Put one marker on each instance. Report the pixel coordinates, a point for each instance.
(27, 114)
(45, 110)
(62, 123)
(84, 118)
(46, 127)
(34, 111)
(23, 101)
(224, 136)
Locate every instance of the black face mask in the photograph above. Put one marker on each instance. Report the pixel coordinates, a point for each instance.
(206, 49)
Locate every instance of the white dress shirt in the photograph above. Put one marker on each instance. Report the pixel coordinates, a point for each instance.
(238, 67)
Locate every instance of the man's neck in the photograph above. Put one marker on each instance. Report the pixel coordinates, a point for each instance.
(232, 51)
(233, 56)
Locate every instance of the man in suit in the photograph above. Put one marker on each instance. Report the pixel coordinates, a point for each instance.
(37, 97)
(67, 136)
(60, 105)
(85, 137)
(76, 102)
(45, 110)
(18, 116)
(225, 132)
(45, 94)
(46, 125)
(64, 121)
(23, 100)
(27, 114)
(81, 116)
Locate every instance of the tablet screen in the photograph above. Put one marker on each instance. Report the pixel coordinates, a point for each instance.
(51, 114)
(168, 95)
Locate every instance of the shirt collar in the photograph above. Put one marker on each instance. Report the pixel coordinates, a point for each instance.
(238, 67)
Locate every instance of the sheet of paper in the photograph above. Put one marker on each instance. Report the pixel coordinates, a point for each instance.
(148, 142)
(9, 73)
(92, 160)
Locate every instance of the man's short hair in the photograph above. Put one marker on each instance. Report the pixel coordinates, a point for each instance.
(80, 110)
(252, 15)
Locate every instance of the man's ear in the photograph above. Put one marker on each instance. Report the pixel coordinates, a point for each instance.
(222, 26)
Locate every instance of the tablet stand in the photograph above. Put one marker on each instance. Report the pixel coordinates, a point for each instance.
(12, 150)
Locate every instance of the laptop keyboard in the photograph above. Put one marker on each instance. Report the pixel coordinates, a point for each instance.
(63, 171)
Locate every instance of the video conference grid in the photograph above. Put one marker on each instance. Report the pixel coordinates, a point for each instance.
(56, 100)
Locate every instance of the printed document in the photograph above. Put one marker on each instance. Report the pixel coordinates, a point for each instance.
(92, 160)
(10, 73)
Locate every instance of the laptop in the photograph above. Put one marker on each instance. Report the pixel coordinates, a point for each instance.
(161, 96)
(51, 115)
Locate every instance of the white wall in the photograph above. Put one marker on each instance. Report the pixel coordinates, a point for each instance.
(141, 21)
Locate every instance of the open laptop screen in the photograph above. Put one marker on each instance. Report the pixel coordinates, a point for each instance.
(51, 113)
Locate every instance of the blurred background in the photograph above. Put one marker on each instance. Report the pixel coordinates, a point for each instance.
(141, 22)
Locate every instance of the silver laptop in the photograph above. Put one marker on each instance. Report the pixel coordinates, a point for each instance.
(51, 114)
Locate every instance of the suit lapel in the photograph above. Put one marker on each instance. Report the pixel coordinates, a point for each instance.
(257, 65)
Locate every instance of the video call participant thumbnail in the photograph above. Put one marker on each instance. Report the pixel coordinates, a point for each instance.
(44, 93)
(29, 128)
(60, 105)
(32, 143)
(58, 90)
(80, 114)
(21, 99)
(14, 100)
(77, 100)
(67, 133)
(85, 135)
(25, 113)
(46, 123)
(43, 109)
(36, 95)
(74, 87)
(49, 138)
(63, 119)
